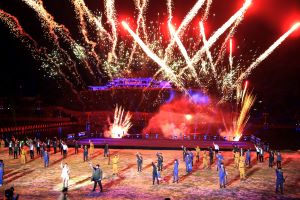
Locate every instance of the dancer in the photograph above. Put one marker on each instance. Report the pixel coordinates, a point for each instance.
(278, 159)
(160, 160)
(139, 161)
(154, 174)
(242, 168)
(183, 152)
(279, 179)
(54, 144)
(217, 148)
(76, 146)
(261, 154)
(31, 151)
(211, 156)
(257, 152)
(23, 156)
(46, 158)
(1, 172)
(85, 153)
(205, 160)
(16, 150)
(115, 161)
(106, 149)
(220, 159)
(197, 153)
(222, 176)
(38, 147)
(271, 159)
(248, 157)
(236, 159)
(65, 175)
(92, 147)
(97, 176)
(10, 148)
(65, 149)
(175, 171)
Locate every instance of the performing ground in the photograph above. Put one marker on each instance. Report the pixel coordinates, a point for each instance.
(33, 181)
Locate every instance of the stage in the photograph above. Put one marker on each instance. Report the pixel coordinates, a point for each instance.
(162, 143)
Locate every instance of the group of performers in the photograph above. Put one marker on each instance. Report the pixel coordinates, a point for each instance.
(242, 160)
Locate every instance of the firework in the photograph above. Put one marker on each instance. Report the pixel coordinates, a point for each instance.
(121, 124)
(263, 56)
(239, 122)
(101, 52)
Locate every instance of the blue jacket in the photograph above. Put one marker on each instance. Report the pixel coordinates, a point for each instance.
(279, 176)
(175, 170)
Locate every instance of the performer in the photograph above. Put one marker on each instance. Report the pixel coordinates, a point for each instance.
(38, 147)
(65, 175)
(222, 176)
(160, 160)
(16, 150)
(85, 153)
(205, 160)
(220, 160)
(31, 151)
(211, 156)
(236, 159)
(279, 180)
(1, 172)
(2, 143)
(278, 159)
(154, 174)
(10, 148)
(46, 158)
(23, 156)
(198, 153)
(92, 147)
(139, 161)
(48, 144)
(271, 159)
(106, 149)
(261, 154)
(175, 171)
(248, 157)
(115, 161)
(97, 176)
(217, 148)
(183, 152)
(65, 149)
(54, 144)
(257, 152)
(76, 146)
(242, 168)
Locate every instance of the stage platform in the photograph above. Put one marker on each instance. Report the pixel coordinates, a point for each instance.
(162, 143)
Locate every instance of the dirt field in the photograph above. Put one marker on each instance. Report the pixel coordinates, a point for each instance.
(33, 181)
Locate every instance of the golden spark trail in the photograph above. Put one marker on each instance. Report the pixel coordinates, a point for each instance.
(218, 33)
(188, 18)
(179, 43)
(121, 125)
(141, 6)
(154, 57)
(243, 116)
(170, 8)
(111, 17)
(50, 27)
(202, 31)
(207, 8)
(263, 56)
(230, 54)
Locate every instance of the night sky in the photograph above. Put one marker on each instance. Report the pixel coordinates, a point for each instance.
(276, 81)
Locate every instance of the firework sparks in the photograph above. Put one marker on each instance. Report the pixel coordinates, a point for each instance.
(263, 56)
(101, 52)
(169, 73)
(121, 124)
